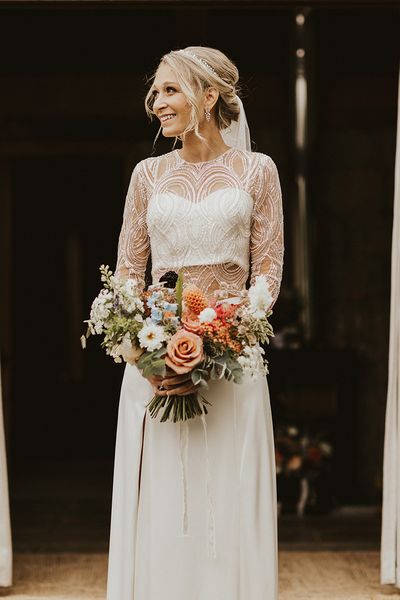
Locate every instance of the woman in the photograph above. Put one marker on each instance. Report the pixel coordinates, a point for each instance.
(194, 502)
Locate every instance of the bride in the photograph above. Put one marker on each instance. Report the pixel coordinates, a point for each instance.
(194, 513)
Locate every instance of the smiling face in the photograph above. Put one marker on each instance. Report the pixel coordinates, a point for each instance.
(170, 100)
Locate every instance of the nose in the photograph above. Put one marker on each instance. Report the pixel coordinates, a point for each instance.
(158, 102)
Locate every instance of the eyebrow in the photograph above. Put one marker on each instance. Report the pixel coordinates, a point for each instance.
(166, 83)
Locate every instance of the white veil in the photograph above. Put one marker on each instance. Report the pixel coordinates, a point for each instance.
(238, 133)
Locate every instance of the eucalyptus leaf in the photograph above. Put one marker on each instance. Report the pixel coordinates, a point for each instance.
(143, 360)
(204, 372)
(147, 372)
(157, 367)
(160, 352)
(203, 383)
(196, 376)
(217, 370)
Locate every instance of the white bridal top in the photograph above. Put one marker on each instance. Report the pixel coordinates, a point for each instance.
(219, 220)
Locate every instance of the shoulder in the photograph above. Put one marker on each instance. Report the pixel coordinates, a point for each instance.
(264, 160)
(264, 177)
(258, 162)
(261, 169)
(266, 170)
(152, 167)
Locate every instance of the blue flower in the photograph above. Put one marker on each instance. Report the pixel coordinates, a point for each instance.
(156, 315)
(150, 302)
(171, 307)
(153, 299)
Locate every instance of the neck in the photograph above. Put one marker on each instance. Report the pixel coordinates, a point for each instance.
(195, 150)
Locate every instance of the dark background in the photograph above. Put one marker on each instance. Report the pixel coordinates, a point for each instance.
(72, 127)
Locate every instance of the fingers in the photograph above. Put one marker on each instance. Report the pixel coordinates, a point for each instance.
(175, 379)
(181, 390)
(179, 385)
(188, 388)
(155, 380)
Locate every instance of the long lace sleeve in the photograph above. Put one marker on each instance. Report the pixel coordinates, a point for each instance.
(267, 231)
(133, 243)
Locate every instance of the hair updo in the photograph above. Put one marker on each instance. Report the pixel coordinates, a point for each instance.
(194, 78)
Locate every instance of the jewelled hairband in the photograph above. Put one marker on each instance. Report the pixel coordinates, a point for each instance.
(199, 59)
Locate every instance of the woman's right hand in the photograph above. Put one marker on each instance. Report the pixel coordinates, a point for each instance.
(172, 383)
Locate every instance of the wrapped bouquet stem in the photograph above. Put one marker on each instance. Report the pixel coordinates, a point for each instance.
(173, 332)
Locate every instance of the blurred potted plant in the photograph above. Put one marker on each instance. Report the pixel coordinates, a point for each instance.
(303, 467)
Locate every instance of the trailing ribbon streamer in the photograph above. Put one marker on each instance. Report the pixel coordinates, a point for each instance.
(183, 446)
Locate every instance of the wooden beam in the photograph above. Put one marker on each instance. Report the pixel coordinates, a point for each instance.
(199, 4)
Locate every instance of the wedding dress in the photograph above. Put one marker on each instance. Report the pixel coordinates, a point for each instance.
(194, 503)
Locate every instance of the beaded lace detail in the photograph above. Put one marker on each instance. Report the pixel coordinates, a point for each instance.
(221, 220)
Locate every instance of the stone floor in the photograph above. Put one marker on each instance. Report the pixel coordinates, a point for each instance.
(302, 576)
(65, 507)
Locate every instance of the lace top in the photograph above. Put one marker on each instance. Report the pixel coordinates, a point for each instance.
(219, 220)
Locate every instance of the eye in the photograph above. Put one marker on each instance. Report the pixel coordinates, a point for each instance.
(167, 88)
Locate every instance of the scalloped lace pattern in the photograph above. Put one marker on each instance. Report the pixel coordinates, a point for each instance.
(221, 221)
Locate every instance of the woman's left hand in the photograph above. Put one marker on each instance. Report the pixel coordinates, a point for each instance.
(179, 385)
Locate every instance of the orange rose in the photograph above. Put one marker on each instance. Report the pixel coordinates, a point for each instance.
(184, 351)
(191, 322)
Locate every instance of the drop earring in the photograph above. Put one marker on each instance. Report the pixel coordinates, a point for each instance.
(207, 113)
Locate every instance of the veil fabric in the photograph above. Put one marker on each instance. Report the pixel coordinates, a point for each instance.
(238, 132)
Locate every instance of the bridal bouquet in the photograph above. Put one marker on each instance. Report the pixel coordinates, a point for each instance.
(177, 327)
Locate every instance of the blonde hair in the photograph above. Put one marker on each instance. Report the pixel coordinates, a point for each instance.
(194, 78)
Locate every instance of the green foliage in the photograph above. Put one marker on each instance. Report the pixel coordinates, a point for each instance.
(179, 292)
(152, 363)
(199, 377)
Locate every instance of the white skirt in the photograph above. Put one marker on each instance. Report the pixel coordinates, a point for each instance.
(194, 513)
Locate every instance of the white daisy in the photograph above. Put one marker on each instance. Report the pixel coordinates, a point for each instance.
(151, 336)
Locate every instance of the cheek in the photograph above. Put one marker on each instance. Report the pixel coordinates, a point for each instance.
(183, 107)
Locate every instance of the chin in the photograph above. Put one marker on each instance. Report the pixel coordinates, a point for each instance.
(170, 133)
(167, 134)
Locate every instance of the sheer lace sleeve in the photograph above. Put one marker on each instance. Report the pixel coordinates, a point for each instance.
(267, 236)
(133, 243)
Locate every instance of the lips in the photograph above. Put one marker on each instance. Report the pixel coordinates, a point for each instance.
(166, 118)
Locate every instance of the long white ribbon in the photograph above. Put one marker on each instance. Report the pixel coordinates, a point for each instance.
(183, 446)
(212, 553)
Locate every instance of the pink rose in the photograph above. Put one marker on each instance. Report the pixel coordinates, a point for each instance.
(190, 321)
(184, 351)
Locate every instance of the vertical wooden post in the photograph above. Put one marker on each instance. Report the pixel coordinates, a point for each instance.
(301, 263)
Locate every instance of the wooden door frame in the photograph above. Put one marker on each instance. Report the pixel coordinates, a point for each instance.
(6, 299)
(200, 4)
